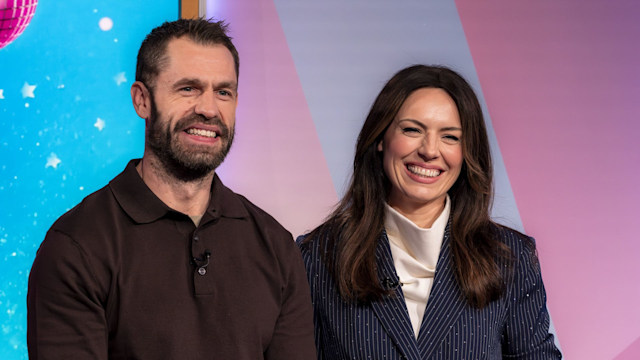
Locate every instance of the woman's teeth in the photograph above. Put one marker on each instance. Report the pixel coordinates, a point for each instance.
(422, 171)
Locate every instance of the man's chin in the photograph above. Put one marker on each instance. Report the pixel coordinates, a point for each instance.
(189, 163)
(189, 169)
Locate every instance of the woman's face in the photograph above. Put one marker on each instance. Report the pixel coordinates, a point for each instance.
(422, 150)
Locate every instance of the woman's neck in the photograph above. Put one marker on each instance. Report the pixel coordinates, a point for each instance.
(421, 214)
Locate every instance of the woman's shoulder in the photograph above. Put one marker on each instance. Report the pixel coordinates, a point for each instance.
(524, 255)
(308, 242)
(514, 239)
(313, 248)
(313, 245)
(319, 239)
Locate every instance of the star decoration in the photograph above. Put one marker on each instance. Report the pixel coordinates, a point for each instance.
(53, 161)
(99, 124)
(27, 91)
(1, 94)
(119, 79)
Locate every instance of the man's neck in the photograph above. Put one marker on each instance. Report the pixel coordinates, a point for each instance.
(190, 198)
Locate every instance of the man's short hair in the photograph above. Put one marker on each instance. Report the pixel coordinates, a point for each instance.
(152, 54)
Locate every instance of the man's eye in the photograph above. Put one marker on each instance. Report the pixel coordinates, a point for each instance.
(187, 89)
(224, 92)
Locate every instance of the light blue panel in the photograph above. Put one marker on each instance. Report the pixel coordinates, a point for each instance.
(75, 67)
(345, 51)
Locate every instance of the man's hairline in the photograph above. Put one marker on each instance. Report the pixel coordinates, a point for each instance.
(164, 59)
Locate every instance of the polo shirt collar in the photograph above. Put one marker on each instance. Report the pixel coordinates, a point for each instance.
(224, 202)
(143, 206)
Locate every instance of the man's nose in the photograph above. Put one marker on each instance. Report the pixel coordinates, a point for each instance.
(207, 105)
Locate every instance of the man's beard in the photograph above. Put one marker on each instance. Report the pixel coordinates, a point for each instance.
(178, 160)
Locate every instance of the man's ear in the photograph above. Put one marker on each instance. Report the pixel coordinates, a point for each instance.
(141, 98)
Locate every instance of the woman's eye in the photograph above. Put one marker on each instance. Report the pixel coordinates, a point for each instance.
(451, 138)
(411, 130)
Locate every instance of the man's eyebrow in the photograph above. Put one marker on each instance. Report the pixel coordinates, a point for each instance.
(187, 81)
(196, 82)
(227, 84)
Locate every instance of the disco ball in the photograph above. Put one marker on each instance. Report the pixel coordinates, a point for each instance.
(14, 18)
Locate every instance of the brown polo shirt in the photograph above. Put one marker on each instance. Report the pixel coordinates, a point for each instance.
(115, 278)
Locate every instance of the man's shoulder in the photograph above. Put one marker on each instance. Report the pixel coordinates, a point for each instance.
(262, 218)
(101, 209)
(87, 214)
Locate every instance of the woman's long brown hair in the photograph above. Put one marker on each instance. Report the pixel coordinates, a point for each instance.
(351, 233)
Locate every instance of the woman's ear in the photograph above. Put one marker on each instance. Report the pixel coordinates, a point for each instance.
(380, 146)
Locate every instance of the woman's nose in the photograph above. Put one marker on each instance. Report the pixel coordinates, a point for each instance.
(429, 147)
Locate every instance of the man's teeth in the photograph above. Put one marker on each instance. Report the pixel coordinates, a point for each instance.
(422, 171)
(200, 132)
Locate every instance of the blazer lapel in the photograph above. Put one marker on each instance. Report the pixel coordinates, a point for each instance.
(445, 303)
(392, 310)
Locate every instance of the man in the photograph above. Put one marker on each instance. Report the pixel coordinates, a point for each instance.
(165, 262)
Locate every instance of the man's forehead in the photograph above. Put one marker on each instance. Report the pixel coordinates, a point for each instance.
(187, 55)
(178, 46)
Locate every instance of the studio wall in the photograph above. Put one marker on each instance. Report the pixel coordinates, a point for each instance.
(556, 79)
(560, 91)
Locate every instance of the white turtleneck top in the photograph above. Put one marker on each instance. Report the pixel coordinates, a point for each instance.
(415, 254)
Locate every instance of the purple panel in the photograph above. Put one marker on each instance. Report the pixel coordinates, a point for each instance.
(630, 353)
(276, 160)
(561, 82)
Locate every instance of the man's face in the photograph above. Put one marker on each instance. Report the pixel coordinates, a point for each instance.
(193, 102)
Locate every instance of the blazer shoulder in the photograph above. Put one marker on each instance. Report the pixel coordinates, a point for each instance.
(514, 239)
(314, 249)
(307, 243)
(319, 238)
(523, 254)
(309, 246)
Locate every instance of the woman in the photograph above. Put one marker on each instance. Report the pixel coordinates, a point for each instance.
(410, 265)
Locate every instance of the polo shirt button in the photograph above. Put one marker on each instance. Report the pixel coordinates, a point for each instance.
(202, 271)
(196, 238)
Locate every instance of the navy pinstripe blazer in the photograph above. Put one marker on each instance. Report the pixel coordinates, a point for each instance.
(516, 326)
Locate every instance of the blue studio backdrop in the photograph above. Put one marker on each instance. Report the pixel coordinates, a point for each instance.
(67, 127)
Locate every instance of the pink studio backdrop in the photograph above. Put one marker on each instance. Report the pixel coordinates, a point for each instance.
(561, 87)
(561, 82)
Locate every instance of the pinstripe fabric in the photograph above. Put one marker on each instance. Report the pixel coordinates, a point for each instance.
(514, 327)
